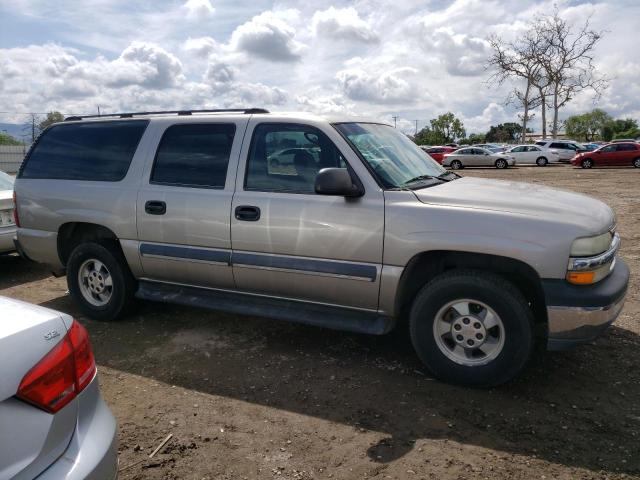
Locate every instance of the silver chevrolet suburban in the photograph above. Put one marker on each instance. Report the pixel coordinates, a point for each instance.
(334, 222)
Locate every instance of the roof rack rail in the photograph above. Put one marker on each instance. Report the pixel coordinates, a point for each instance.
(247, 111)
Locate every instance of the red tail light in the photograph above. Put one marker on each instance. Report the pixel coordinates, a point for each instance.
(62, 374)
(16, 218)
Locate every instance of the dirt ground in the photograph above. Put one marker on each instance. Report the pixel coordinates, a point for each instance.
(251, 398)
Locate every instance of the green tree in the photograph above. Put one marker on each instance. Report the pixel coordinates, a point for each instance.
(476, 138)
(6, 139)
(426, 136)
(52, 117)
(588, 126)
(621, 128)
(504, 132)
(448, 127)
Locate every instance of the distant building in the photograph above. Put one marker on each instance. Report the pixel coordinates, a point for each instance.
(534, 137)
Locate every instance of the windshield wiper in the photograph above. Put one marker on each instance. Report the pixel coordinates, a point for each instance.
(442, 175)
(423, 177)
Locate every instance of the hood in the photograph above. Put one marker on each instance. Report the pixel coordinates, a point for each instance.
(526, 199)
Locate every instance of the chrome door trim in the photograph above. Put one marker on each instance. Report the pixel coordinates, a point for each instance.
(310, 266)
(185, 253)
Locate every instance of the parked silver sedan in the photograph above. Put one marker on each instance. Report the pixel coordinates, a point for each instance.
(54, 424)
(477, 157)
(7, 225)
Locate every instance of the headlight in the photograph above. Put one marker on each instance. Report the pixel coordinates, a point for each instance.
(592, 259)
(590, 246)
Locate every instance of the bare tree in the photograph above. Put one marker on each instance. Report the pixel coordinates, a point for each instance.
(552, 63)
(520, 60)
(568, 62)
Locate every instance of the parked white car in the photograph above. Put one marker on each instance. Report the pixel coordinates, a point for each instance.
(567, 149)
(7, 225)
(477, 157)
(534, 155)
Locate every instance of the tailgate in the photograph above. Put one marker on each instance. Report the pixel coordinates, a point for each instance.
(31, 438)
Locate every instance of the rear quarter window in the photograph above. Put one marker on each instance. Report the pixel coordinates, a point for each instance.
(92, 151)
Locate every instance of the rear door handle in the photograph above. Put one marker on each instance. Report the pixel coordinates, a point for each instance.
(248, 213)
(155, 207)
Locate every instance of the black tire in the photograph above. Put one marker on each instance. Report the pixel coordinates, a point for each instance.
(456, 165)
(501, 163)
(123, 284)
(542, 162)
(501, 296)
(586, 163)
(636, 162)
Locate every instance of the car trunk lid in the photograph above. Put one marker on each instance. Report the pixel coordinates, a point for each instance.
(31, 438)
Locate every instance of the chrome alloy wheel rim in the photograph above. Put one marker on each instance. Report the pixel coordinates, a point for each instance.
(469, 332)
(96, 284)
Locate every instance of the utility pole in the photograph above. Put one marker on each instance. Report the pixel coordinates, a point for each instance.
(395, 121)
(416, 127)
(98, 110)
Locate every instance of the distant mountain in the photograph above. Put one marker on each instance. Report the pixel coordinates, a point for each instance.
(15, 130)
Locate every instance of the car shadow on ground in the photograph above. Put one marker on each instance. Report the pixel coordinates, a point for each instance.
(576, 408)
(15, 271)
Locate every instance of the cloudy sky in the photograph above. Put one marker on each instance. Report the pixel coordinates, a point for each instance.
(414, 59)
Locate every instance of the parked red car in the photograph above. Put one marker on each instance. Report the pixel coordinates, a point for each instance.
(438, 153)
(613, 154)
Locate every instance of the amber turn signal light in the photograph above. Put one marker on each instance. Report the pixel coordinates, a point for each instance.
(581, 278)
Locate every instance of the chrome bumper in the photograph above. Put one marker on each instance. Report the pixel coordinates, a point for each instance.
(578, 314)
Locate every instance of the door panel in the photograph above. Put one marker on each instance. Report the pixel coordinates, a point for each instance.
(312, 247)
(190, 242)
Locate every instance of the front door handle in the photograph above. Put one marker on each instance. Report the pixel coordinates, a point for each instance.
(155, 207)
(248, 213)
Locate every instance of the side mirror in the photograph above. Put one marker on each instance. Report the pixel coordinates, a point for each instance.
(336, 181)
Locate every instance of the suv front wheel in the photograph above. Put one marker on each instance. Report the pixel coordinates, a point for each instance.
(99, 281)
(472, 328)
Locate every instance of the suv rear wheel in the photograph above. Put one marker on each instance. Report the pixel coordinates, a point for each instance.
(99, 281)
(472, 328)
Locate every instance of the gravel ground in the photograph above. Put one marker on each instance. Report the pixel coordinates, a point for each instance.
(246, 397)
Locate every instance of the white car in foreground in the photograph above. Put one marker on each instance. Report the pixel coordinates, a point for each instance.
(54, 424)
(7, 225)
(533, 155)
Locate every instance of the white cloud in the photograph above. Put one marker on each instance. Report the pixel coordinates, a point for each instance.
(343, 23)
(198, 9)
(395, 85)
(201, 46)
(269, 36)
(381, 58)
(144, 64)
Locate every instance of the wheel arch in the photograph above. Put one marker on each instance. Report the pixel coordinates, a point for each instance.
(425, 266)
(72, 234)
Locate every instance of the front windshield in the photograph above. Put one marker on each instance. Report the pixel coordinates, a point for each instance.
(395, 159)
(6, 182)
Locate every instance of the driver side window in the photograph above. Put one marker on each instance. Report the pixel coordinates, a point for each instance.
(287, 157)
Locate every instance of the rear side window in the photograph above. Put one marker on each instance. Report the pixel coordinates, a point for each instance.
(562, 146)
(92, 151)
(194, 155)
(541, 143)
(626, 147)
